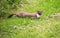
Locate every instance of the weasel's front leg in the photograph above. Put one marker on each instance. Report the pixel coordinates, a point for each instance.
(33, 17)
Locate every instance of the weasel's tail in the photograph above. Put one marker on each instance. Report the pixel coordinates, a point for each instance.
(11, 15)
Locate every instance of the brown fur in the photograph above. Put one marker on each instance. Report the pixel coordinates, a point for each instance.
(26, 14)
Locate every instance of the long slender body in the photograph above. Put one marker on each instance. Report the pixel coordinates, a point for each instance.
(26, 14)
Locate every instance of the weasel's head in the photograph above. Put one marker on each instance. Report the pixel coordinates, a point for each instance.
(39, 12)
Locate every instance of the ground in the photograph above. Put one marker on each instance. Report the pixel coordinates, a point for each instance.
(44, 27)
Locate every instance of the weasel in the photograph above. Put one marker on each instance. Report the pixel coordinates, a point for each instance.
(26, 14)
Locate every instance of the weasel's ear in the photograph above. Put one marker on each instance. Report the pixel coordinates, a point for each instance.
(39, 12)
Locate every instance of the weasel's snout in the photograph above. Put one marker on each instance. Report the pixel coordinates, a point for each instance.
(39, 12)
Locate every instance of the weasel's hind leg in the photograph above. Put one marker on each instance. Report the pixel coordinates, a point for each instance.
(18, 16)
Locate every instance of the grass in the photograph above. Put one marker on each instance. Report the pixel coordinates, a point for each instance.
(30, 28)
(33, 28)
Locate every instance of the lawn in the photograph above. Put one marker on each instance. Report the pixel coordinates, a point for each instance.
(33, 28)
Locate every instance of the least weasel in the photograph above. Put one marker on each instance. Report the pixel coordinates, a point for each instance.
(26, 14)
